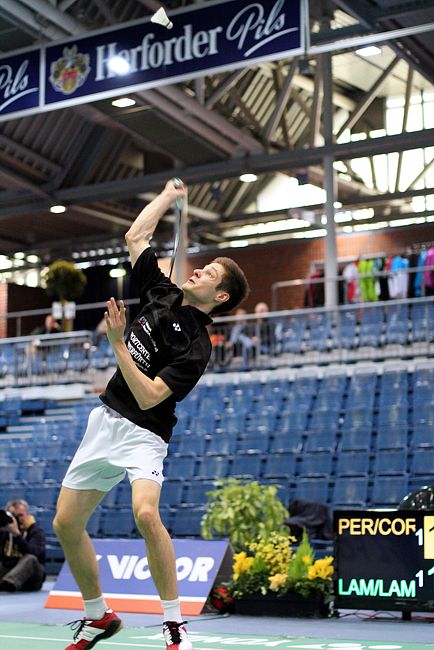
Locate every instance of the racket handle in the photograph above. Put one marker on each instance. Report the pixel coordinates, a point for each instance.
(179, 201)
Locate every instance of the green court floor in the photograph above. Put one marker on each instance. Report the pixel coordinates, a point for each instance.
(28, 636)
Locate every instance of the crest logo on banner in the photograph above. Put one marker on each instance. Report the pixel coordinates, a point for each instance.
(70, 71)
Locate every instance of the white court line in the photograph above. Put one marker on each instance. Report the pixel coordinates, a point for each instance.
(121, 645)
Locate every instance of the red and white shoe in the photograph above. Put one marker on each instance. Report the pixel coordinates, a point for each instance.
(175, 636)
(88, 632)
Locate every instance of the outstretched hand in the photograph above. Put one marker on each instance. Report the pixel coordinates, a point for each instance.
(115, 320)
(175, 192)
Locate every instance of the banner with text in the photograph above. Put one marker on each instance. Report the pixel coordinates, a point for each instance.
(208, 39)
(126, 579)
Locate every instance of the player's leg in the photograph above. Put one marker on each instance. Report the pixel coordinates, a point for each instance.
(74, 508)
(161, 560)
(159, 546)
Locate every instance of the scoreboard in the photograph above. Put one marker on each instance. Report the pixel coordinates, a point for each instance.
(384, 559)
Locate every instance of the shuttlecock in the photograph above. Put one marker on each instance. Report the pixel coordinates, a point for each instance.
(160, 17)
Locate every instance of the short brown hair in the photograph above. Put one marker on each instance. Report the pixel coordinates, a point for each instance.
(234, 282)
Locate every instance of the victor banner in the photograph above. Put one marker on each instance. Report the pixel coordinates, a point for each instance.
(213, 37)
(126, 579)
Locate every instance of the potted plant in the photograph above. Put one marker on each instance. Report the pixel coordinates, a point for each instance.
(269, 578)
(66, 283)
(241, 511)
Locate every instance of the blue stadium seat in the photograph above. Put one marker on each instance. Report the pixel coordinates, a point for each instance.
(423, 463)
(253, 443)
(324, 440)
(353, 463)
(32, 472)
(247, 466)
(422, 434)
(123, 494)
(392, 437)
(93, 525)
(312, 490)
(294, 421)
(109, 501)
(286, 442)
(358, 439)
(187, 522)
(182, 467)
(221, 444)
(389, 490)
(171, 493)
(350, 491)
(359, 416)
(50, 450)
(312, 464)
(44, 495)
(232, 423)
(264, 422)
(282, 487)
(280, 465)
(190, 445)
(8, 473)
(55, 471)
(44, 517)
(203, 424)
(13, 491)
(21, 451)
(391, 462)
(197, 491)
(117, 522)
(166, 516)
(212, 467)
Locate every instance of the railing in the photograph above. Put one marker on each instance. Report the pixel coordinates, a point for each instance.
(291, 338)
(347, 333)
(306, 282)
(45, 359)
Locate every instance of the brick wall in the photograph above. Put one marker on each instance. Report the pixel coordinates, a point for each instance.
(291, 260)
(21, 298)
(3, 309)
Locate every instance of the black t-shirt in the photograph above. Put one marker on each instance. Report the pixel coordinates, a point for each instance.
(165, 340)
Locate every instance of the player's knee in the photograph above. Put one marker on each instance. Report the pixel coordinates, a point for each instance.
(147, 517)
(64, 526)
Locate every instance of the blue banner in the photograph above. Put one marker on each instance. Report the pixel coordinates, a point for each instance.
(204, 40)
(126, 579)
(20, 82)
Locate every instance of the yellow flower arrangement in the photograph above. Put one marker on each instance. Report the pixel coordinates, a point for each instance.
(322, 569)
(270, 565)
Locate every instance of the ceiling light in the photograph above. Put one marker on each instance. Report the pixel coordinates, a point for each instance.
(58, 209)
(19, 256)
(248, 178)
(369, 50)
(117, 273)
(118, 65)
(33, 259)
(123, 102)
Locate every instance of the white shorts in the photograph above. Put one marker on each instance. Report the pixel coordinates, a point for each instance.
(111, 445)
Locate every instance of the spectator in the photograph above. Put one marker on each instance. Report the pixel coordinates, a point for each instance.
(22, 550)
(50, 326)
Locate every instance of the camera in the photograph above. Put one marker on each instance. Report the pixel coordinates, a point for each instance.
(6, 518)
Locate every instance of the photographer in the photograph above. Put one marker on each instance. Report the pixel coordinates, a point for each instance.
(22, 549)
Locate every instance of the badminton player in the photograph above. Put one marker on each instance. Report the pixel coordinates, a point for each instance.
(161, 358)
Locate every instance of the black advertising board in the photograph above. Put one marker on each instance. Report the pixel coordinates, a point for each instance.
(384, 559)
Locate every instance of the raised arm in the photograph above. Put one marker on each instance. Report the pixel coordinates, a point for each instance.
(142, 229)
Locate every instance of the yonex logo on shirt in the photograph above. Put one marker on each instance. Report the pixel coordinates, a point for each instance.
(177, 327)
